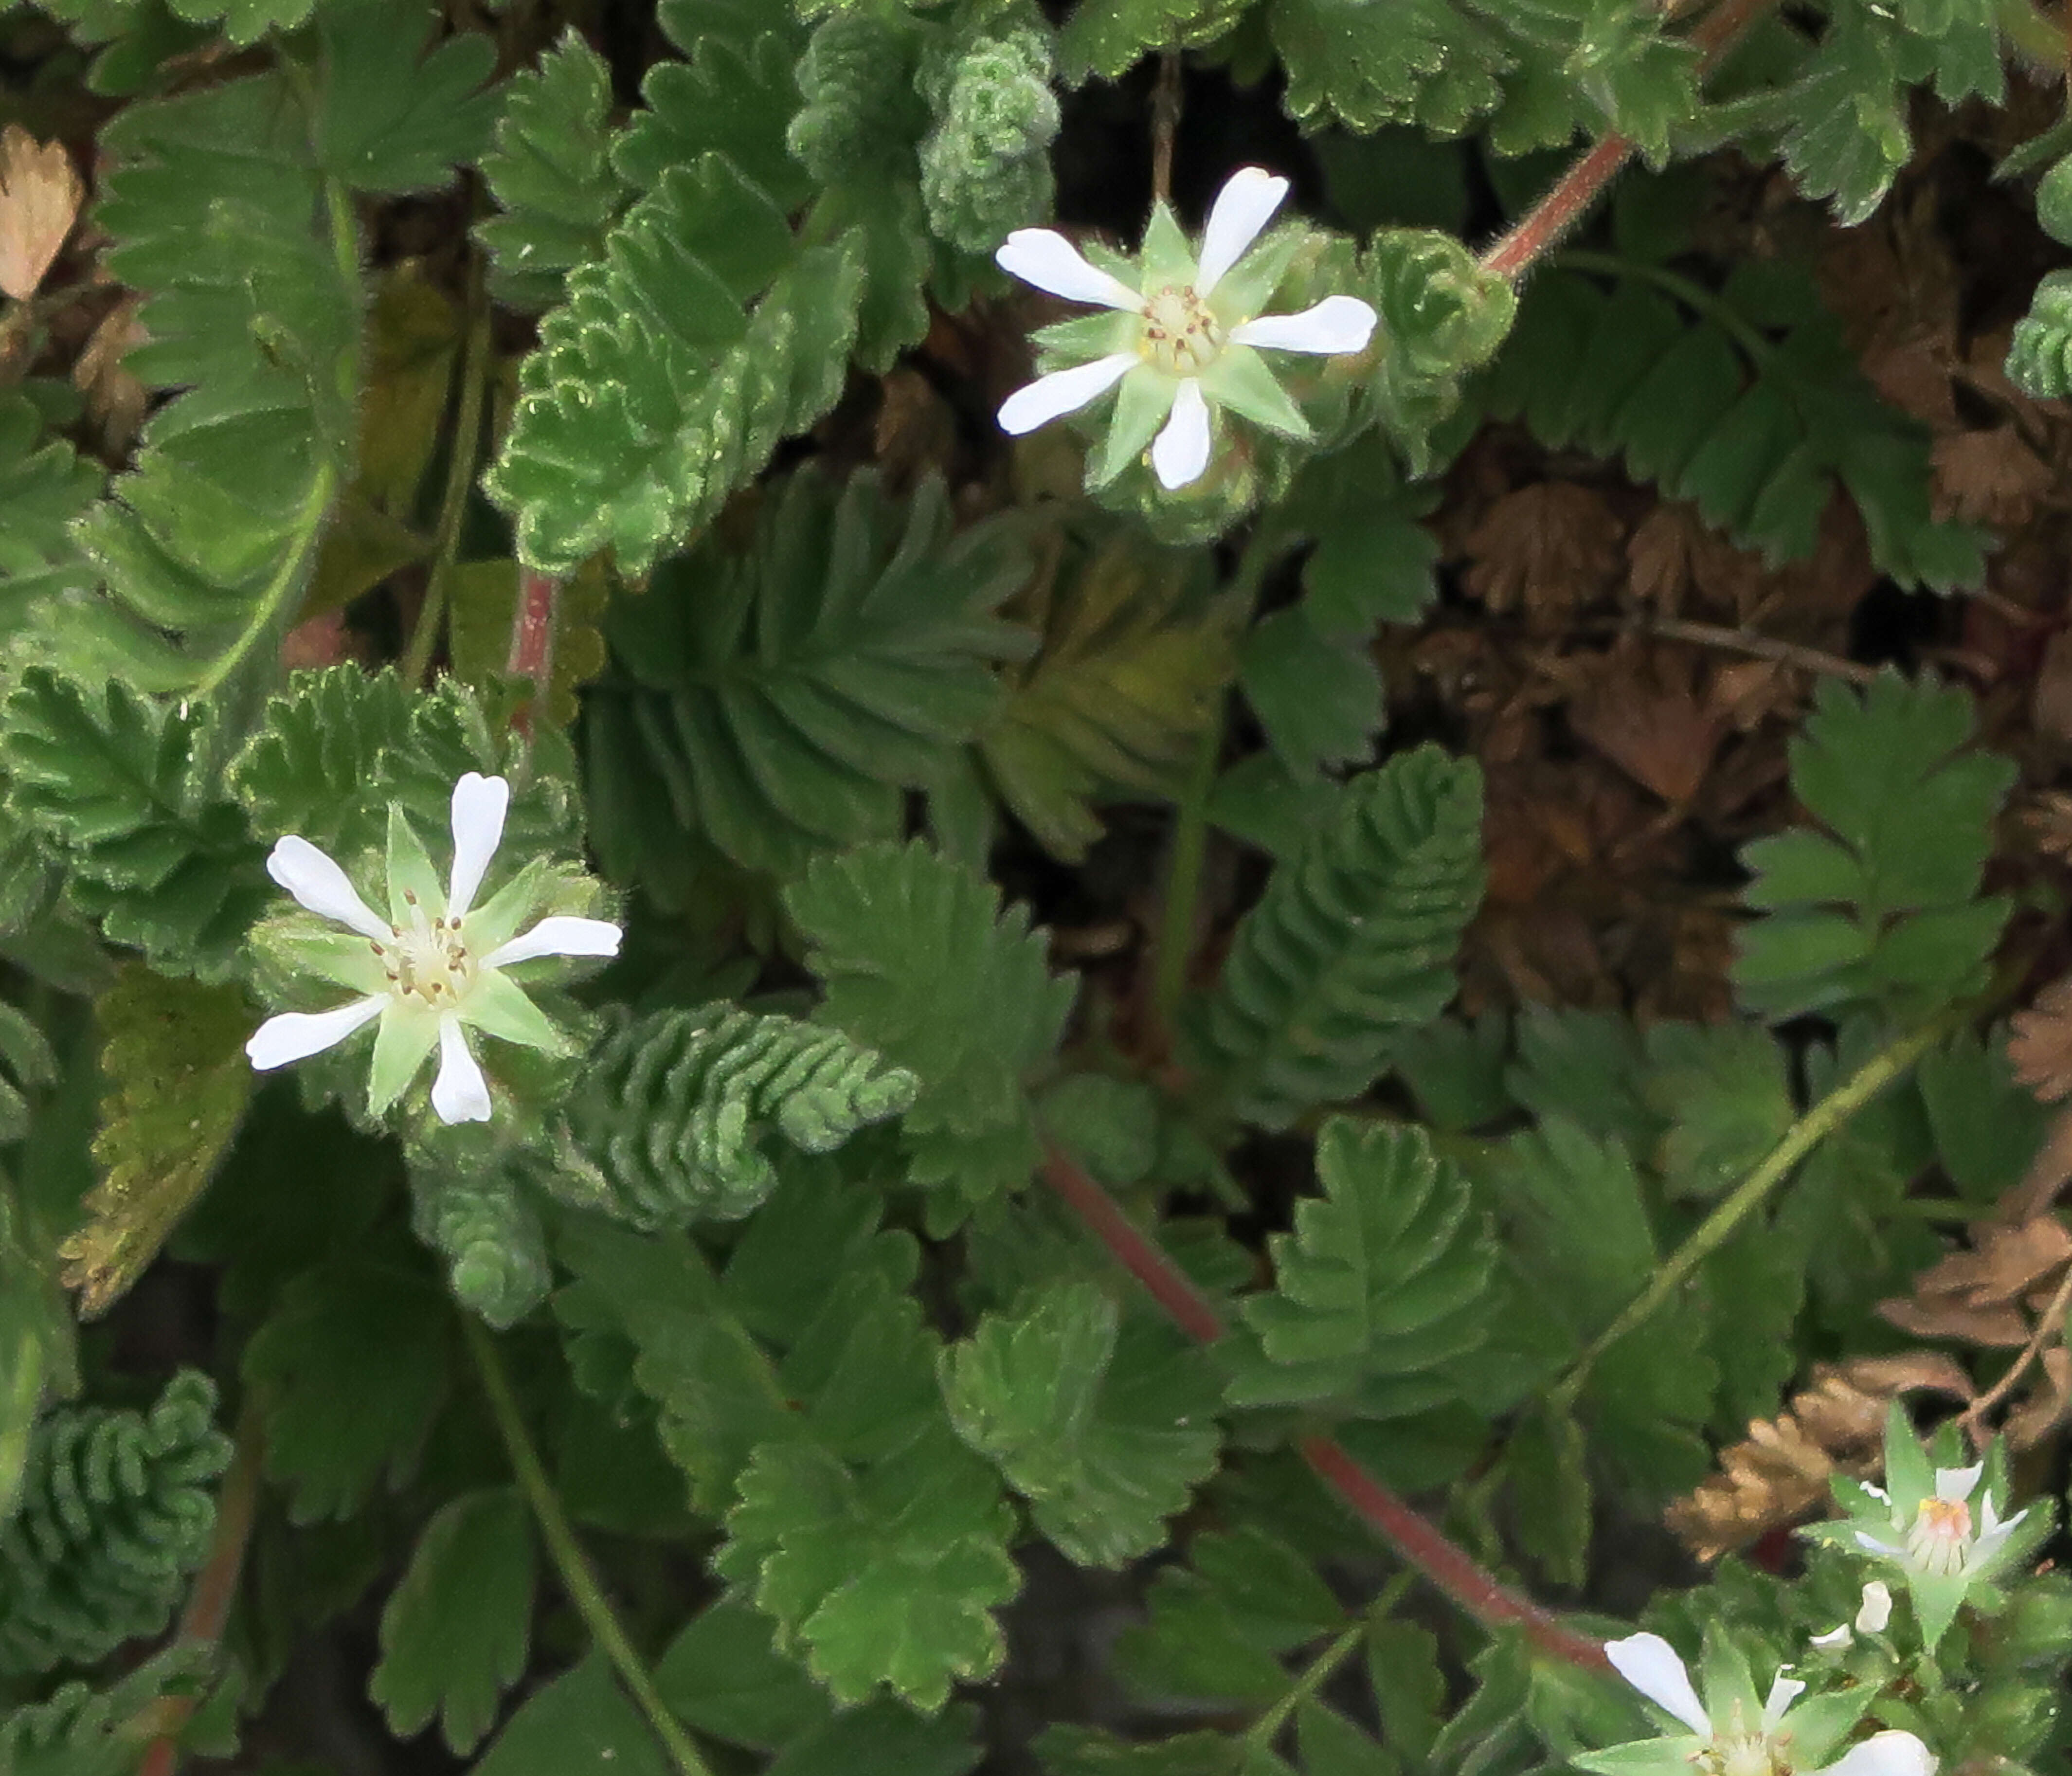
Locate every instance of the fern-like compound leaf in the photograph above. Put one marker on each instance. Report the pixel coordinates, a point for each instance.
(919, 962)
(550, 173)
(483, 1221)
(785, 701)
(81, 1731)
(2040, 354)
(656, 392)
(1385, 1277)
(44, 486)
(675, 1112)
(114, 1513)
(1105, 1428)
(1882, 905)
(1353, 939)
(1758, 432)
(117, 788)
(172, 1056)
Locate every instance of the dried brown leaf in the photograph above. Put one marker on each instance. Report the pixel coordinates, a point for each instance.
(1546, 548)
(2047, 1403)
(1642, 714)
(114, 396)
(1779, 1471)
(40, 193)
(2041, 1045)
(1988, 478)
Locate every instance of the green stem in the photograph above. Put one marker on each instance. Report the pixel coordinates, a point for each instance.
(1264, 1731)
(1190, 830)
(577, 1578)
(1693, 296)
(476, 360)
(1804, 1136)
(286, 581)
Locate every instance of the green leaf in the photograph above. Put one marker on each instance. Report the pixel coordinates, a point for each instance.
(1105, 1431)
(655, 392)
(175, 1085)
(44, 486)
(887, 1576)
(1988, 1130)
(674, 1113)
(355, 1361)
(724, 1676)
(253, 303)
(1318, 700)
(783, 700)
(457, 1628)
(1881, 906)
(919, 962)
(1128, 678)
(396, 116)
(1108, 37)
(319, 763)
(580, 1724)
(1698, 399)
(1385, 1275)
(883, 1736)
(1353, 939)
(119, 789)
(550, 174)
(1722, 1091)
(1220, 1625)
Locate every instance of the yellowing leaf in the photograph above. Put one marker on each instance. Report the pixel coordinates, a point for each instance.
(177, 1080)
(39, 197)
(1132, 663)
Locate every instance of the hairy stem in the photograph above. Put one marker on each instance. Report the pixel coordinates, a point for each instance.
(477, 366)
(1571, 195)
(532, 635)
(1416, 1542)
(1190, 828)
(215, 1588)
(578, 1578)
(1819, 1122)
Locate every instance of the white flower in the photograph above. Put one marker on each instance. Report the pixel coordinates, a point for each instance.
(1733, 1737)
(432, 969)
(1944, 1538)
(1183, 343)
(1875, 1612)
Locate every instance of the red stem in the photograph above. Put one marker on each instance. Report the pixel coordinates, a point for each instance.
(1455, 1572)
(1577, 189)
(215, 1589)
(532, 634)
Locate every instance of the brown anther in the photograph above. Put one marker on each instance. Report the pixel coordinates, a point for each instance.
(375, 946)
(410, 896)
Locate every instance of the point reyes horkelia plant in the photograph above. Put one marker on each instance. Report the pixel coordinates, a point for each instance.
(435, 967)
(1182, 344)
(1728, 1733)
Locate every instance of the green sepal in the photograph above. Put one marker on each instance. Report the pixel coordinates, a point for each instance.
(410, 872)
(343, 958)
(1143, 400)
(1908, 1475)
(1239, 381)
(1243, 290)
(1086, 337)
(403, 1037)
(499, 1007)
(1671, 1756)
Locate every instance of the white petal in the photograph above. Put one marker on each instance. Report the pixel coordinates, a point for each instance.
(1871, 1545)
(1876, 1608)
(1181, 452)
(478, 804)
(1044, 257)
(1650, 1664)
(1885, 1754)
(1957, 1483)
(460, 1093)
(296, 1035)
(1062, 392)
(1336, 325)
(559, 935)
(1783, 1691)
(1245, 206)
(1834, 1638)
(1878, 1493)
(319, 884)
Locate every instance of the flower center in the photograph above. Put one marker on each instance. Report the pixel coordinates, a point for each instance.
(1745, 1753)
(1941, 1539)
(427, 961)
(1181, 336)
